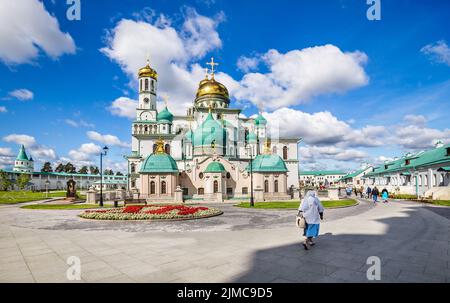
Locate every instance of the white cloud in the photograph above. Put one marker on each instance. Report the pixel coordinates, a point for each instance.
(439, 51)
(124, 107)
(80, 123)
(26, 27)
(107, 139)
(26, 140)
(6, 152)
(85, 152)
(298, 75)
(415, 119)
(22, 94)
(248, 64)
(171, 53)
(3, 109)
(37, 151)
(413, 137)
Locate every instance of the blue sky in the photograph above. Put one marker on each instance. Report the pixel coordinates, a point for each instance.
(391, 96)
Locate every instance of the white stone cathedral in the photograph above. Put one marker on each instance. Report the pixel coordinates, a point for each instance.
(206, 153)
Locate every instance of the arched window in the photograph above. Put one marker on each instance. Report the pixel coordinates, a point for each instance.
(266, 186)
(153, 85)
(163, 187)
(216, 186)
(146, 84)
(425, 181)
(245, 135)
(133, 168)
(434, 180)
(145, 129)
(152, 188)
(167, 149)
(201, 191)
(200, 175)
(275, 186)
(285, 153)
(140, 85)
(154, 147)
(420, 180)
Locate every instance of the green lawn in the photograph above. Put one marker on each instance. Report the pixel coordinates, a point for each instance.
(295, 205)
(59, 207)
(13, 197)
(440, 202)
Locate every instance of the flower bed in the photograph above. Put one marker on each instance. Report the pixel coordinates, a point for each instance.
(151, 212)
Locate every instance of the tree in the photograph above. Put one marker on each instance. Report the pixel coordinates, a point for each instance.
(83, 170)
(59, 168)
(5, 183)
(47, 168)
(108, 172)
(119, 173)
(69, 168)
(22, 181)
(94, 170)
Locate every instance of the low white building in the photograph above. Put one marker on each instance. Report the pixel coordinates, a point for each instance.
(320, 177)
(424, 174)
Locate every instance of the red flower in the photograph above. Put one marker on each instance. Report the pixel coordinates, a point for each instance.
(132, 209)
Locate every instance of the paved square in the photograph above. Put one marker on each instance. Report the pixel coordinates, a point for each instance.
(243, 245)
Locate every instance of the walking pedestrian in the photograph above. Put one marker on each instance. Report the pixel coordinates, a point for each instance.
(369, 192)
(375, 194)
(384, 195)
(312, 210)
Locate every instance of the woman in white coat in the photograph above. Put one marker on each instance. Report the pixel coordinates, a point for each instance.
(312, 210)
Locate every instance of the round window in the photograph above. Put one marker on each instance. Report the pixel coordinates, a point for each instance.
(146, 100)
(228, 175)
(200, 175)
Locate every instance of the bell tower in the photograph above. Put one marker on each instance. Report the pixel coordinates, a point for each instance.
(148, 79)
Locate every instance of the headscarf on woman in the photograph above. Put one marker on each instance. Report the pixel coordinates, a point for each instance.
(311, 208)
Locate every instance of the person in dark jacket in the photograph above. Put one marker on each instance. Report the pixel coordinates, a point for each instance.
(369, 192)
(375, 194)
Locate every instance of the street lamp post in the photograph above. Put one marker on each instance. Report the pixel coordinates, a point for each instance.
(103, 153)
(252, 202)
(46, 188)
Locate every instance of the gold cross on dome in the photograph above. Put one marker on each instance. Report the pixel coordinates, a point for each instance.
(212, 64)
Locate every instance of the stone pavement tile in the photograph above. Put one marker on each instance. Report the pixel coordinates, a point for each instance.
(349, 275)
(280, 280)
(200, 275)
(317, 268)
(9, 252)
(419, 278)
(155, 277)
(176, 266)
(138, 270)
(35, 252)
(116, 279)
(405, 266)
(94, 266)
(16, 278)
(232, 269)
(100, 274)
(254, 276)
(347, 264)
(11, 259)
(18, 266)
(210, 263)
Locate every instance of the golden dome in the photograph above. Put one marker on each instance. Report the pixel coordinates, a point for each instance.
(147, 71)
(212, 87)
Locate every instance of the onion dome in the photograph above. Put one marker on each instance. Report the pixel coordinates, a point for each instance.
(267, 162)
(210, 132)
(147, 71)
(260, 120)
(159, 161)
(212, 92)
(22, 155)
(215, 167)
(164, 116)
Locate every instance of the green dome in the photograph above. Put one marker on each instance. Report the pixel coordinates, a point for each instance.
(251, 137)
(159, 163)
(210, 130)
(268, 163)
(215, 167)
(260, 120)
(164, 116)
(22, 155)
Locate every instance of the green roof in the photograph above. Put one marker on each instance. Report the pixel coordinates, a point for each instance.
(159, 163)
(411, 161)
(215, 167)
(260, 120)
(267, 163)
(210, 131)
(164, 116)
(22, 155)
(322, 173)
